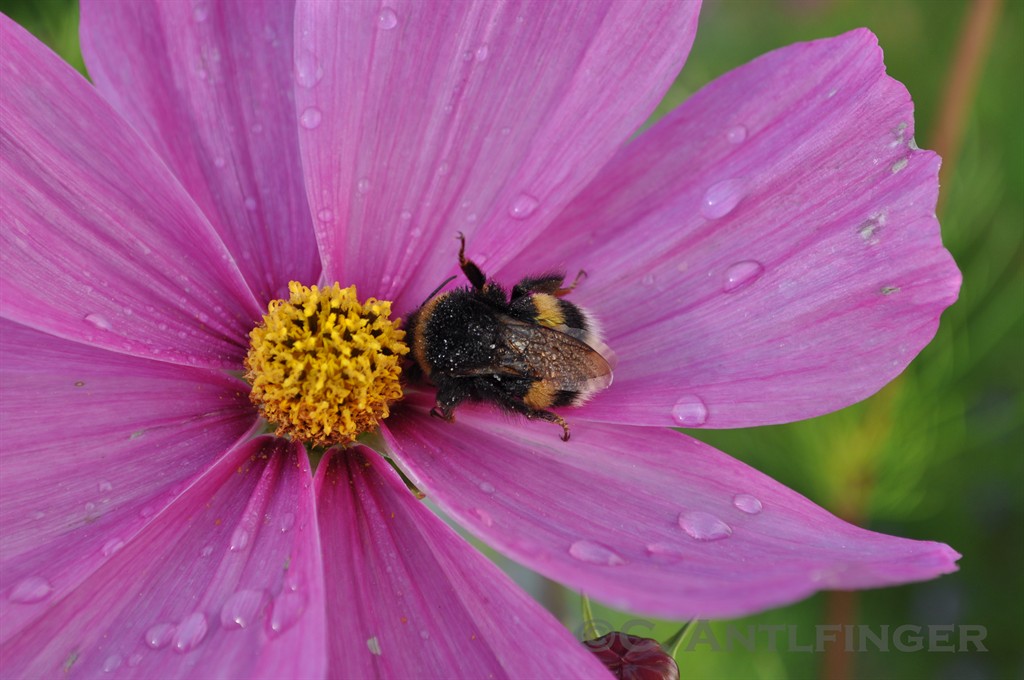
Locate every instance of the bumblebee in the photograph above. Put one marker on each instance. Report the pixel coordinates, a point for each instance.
(526, 352)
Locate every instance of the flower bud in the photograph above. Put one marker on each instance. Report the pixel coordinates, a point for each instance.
(630, 657)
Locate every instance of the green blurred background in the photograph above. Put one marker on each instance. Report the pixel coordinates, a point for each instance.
(939, 454)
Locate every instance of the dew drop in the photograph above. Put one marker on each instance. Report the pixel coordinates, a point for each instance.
(250, 203)
(481, 53)
(206, 551)
(325, 215)
(105, 487)
(690, 411)
(134, 660)
(387, 19)
(287, 521)
(747, 503)
(899, 165)
(485, 517)
(220, 161)
(742, 274)
(373, 644)
(112, 546)
(239, 540)
(523, 206)
(722, 197)
(704, 526)
(99, 321)
(486, 487)
(241, 609)
(30, 589)
(665, 552)
(308, 71)
(736, 134)
(406, 215)
(190, 632)
(160, 635)
(112, 663)
(311, 118)
(286, 611)
(593, 552)
(425, 634)
(200, 13)
(363, 185)
(889, 290)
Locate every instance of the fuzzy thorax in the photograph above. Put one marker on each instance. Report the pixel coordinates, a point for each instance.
(323, 367)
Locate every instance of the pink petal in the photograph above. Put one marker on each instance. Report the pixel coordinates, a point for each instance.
(94, 445)
(645, 519)
(99, 242)
(409, 598)
(209, 86)
(423, 119)
(225, 582)
(814, 275)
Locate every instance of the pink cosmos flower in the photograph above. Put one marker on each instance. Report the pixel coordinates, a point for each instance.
(767, 253)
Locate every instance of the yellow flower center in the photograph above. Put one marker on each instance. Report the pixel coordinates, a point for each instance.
(323, 367)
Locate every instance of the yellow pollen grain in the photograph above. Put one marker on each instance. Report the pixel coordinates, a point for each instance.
(324, 367)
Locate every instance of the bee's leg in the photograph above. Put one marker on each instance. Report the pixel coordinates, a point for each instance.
(549, 283)
(445, 414)
(552, 418)
(561, 292)
(469, 268)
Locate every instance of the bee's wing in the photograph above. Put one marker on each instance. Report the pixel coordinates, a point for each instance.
(560, 358)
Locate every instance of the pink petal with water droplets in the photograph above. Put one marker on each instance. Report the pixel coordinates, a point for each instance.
(99, 242)
(644, 519)
(94, 445)
(767, 253)
(209, 86)
(407, 597)
(227, 579)
(418, 120)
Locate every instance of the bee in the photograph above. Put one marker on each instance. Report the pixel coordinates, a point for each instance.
(526, 352)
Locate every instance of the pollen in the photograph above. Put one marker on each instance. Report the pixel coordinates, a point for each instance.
(324, 368)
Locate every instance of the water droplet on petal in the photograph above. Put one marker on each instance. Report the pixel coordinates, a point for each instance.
(722, 197)
(105, 487)
(363, 185)
(373, 644)
(593, 552)
(665, 552)
(99, 321)
(250, 203)
(241, 609)
(220, 161)
(736, 134)
(387, 19)
(135, 659)
(485, 517)
(30, 589)
(704, 526)
(286, 610)
(648, 279)
(486, 487)
(899, 165)
(311, 118)
(190, 632)
(747, 503)
(523, 206)
(160, 635)
(406, 215)
(112, 546)
(742, 274)
(425, 634)
(690, 411)
(239, 539)
(308, 71)
(200, 13)
(325, 215)
(287, 521)
(481, 53)
(112, 663)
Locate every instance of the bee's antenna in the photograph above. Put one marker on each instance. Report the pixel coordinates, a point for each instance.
(438, 289)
